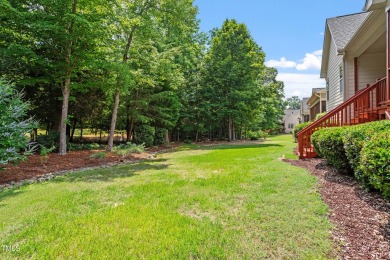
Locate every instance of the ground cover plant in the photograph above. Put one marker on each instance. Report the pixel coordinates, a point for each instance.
(237, 201)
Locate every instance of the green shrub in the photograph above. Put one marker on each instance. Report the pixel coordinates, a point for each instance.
(98, 155)
(299, 127)
(159, 136)
(328, 143)
(144, 134)
(318, 116)
(257, 135)
(375, 162)
(14, 125)
(51, 139)
(128, 148)
(354, 139)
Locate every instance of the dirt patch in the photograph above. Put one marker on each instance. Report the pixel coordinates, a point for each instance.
(362, 218)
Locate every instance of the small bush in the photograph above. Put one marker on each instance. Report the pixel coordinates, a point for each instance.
(318, 116)
(328, 143)
(299, 127)
(51, 139)
(375, 162)
(257, 135)
(354, 139)
(99, 155)
(128, 148)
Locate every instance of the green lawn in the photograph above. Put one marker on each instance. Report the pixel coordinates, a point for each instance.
(230, 201)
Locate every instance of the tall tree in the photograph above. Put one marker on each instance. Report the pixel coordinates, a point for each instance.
(293, 102)
(233, 62)
(62, 36)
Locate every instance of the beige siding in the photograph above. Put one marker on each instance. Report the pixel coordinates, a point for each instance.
(291, 118)
(335, 60)
(372, 66)
(350, 77)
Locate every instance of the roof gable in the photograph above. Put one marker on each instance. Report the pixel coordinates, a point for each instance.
(343, 28)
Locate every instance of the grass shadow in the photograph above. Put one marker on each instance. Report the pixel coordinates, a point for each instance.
(227, 146)
(9, 193)
(115, 172)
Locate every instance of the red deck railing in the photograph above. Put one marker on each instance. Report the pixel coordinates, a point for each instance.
(363, 107)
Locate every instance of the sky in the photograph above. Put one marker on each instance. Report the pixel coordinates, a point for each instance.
(290, 32)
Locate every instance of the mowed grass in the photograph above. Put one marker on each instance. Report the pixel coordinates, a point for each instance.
(226, 202)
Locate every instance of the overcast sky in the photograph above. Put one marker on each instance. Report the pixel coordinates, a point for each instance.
(290, 32)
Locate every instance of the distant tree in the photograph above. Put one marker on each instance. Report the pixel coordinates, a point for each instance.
(14, 124)
(293, 103)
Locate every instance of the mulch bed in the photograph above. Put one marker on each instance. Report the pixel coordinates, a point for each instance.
(362, 218)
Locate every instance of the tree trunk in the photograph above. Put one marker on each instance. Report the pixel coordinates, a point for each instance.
(73, 130)
(64, 116)
(117, 93)
(81, 129)
(66, 86)
(113, 122)
(230, 132)
(167, 141)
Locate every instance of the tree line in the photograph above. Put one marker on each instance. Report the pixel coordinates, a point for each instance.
(141, 66)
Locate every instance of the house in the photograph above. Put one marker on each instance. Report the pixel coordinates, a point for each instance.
(356, 67)
(317, 102)
(291, 118)
(305, 110)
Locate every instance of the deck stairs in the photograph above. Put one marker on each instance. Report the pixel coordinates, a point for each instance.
(367, 105)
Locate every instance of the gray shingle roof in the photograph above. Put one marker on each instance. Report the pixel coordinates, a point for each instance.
(343, 28)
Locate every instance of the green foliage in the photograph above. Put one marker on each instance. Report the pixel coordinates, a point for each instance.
(299, 127)
(319, 115)
(375, 162)
(328, 143)
(238, 89)
(144, 134)
(14, 125)
(46, 151)
(257, 135)
(159, 136)
(80, 147)
(98, 155)
(292, 103)
(128, 148)
(354, 139)
(52, 139)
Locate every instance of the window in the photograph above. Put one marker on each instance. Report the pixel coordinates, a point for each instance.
(341, 72)
(290, 126)
(327, 89)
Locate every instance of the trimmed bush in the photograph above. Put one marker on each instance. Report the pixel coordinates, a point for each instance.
(318, 116)
(354, 139)
(299, 127)
(328, 143)
(375, 162)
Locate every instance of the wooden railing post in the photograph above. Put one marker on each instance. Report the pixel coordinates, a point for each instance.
(358, 109)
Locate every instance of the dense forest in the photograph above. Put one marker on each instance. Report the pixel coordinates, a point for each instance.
(140, 67)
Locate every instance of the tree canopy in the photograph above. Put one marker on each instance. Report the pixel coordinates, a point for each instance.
(141, 67)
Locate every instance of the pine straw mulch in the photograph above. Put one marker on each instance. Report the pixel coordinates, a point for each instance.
(35, 167)
(362, 218)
